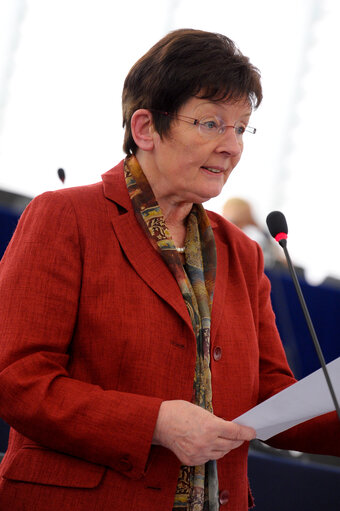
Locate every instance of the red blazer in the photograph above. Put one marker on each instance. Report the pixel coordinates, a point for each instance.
(95, 335)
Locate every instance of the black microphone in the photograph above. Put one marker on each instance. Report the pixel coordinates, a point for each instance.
(61, 175)
(278, 228)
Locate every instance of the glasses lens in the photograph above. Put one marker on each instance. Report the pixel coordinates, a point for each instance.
(210, 126)
(239, 130)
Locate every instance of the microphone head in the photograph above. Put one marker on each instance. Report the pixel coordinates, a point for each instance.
(61, 175)
(277, 225)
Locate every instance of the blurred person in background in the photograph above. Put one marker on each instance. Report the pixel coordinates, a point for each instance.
(240, 213)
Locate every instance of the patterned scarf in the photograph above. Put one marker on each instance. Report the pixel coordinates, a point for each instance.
(197, 488)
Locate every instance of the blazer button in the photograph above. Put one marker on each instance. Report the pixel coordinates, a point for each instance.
(217, 353)
(124, 464)
(224, 497)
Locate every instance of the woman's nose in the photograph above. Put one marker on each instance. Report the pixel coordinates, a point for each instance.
(230, 142)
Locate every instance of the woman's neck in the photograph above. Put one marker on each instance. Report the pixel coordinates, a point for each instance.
(174, 209)
(175, 218)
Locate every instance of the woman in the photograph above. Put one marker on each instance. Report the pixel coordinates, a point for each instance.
(135, 325)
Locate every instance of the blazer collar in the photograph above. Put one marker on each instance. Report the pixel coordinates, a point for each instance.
(143, 257)
(115, 187)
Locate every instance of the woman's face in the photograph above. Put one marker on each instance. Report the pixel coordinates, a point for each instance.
(190, 167)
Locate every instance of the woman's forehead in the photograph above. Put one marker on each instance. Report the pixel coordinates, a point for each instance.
(222, 107)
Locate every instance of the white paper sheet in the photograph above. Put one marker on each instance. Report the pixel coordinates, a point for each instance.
(298, 403)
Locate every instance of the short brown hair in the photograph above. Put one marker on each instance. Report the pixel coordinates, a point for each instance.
(183, 64)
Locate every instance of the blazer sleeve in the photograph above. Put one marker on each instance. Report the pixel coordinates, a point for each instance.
(40, 283)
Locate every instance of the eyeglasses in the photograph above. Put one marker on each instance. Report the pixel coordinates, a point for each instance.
(211, 126)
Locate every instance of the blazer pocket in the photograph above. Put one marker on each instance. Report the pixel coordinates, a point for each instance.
(42, 466)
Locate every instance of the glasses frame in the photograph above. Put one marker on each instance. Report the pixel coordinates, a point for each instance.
(196, 122)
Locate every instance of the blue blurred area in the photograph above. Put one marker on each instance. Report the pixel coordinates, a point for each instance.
(8, 222)
(280, 482)
(323, 302)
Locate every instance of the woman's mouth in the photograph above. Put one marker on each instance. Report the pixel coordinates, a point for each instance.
(214, 170)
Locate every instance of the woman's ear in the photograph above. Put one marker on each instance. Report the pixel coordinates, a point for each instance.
(142, 129)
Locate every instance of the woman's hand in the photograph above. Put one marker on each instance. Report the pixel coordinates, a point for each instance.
(195, 435)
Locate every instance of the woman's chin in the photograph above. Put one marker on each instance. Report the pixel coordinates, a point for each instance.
(204, 197)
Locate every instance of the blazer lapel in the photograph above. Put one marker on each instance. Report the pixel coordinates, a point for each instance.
(220, 291)
(143, 257)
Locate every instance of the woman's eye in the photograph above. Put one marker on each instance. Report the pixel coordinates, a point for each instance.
(210, 125)
(240, 130)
